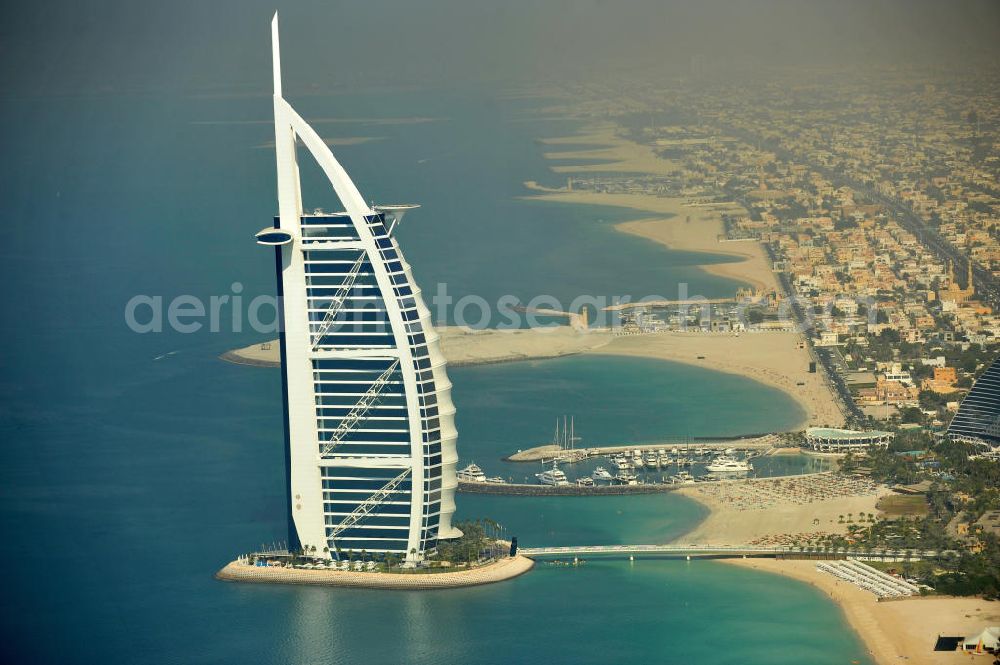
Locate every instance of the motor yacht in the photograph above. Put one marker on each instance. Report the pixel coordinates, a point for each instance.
(553, 476)
(600, 473)
(472, 474)
(726, 464)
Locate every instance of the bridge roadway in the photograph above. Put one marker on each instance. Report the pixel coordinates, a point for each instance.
(718, 551)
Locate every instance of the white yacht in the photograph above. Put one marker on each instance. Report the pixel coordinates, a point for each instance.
(675, 451)
(626, 478)
(472, 474)
(496, 480)
(651, 460)
(585, 481)
(682, 478)
(600, 473)
(726, 464)
(553, 476)
(622, 463)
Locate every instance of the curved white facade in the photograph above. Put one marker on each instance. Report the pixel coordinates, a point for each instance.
(369, 419)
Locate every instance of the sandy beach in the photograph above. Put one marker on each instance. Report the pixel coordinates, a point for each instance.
(693, 228)
(779, 511)
(772, 358)
(464, 346)
(895, 631)
(602, 142)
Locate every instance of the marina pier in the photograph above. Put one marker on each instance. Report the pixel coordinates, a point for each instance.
(543, 453)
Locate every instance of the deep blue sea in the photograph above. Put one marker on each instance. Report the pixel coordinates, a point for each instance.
(135, 465)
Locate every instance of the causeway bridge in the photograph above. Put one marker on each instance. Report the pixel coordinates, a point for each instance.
(723, 551)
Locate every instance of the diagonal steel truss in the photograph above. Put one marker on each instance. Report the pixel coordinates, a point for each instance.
(359, 410)
(368, 505)
(338, 300)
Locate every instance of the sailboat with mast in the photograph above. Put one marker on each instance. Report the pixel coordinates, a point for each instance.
(565, 437)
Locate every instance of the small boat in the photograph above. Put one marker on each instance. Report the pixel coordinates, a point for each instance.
(600, 473)
(585, 481)
(726, 464)
(496, 480)
(675, 451)
(553, 476)
(472, 474)
(730, 451)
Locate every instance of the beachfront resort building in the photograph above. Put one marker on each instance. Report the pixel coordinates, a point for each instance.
(978, 417)
(829, 440)
(369, 421)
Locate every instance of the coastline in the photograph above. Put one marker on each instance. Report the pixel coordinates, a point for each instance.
(680, 227)
(904, 629)
(498, 571)
(774, 359)
(891, 631)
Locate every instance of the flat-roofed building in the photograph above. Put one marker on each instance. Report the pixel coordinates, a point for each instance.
(830, 440)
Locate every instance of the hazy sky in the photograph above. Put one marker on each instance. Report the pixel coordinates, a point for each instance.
(49, 46)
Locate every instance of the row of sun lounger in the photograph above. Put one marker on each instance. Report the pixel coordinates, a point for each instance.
(341, 565)
(861, 575)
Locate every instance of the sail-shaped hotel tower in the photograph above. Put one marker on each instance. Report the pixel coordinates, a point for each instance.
(369, 421)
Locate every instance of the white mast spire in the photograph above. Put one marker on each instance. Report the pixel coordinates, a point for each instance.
(276, 55)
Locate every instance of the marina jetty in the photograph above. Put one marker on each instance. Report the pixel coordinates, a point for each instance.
(489, 573)
(552, 451)
(514, 489)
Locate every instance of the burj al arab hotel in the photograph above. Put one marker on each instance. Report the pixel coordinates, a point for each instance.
(369, 421)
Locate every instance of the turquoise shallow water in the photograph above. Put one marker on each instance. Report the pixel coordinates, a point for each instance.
(135, 465)
(614, 400)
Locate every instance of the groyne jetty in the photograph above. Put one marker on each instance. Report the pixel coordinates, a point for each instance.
(490, 573)
(717, 444)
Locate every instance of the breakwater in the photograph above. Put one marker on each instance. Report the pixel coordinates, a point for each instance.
(514, 489)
